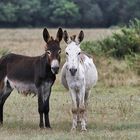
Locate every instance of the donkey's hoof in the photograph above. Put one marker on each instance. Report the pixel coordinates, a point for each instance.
(48, 127)
(41, 126)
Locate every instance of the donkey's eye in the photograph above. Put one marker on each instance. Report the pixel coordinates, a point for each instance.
(48, 52)
(67, 53)
(79, 53)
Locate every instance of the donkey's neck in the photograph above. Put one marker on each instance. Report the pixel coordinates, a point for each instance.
(45, 60)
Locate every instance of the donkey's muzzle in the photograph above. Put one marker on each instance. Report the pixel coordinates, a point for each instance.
(73, 71)
(55, 70)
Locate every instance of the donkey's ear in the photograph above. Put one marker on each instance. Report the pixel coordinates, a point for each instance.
(80, 36)
(59, 34)
(66, 37)
(46, 35)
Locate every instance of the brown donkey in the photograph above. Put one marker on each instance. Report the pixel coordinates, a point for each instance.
(32, 75)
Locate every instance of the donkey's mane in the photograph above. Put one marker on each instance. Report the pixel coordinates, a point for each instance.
(73, 37)
(84, 53)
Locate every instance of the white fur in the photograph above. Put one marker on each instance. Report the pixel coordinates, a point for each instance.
(46, 88)
(28, 87)
(21, 87)
(80, 84)
(55, 63)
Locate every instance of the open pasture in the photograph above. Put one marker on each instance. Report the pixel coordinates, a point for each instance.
(114, 104)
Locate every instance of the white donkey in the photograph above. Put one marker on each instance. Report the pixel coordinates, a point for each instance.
(79, 75)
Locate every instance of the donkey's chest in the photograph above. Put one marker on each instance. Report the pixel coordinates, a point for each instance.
(75, 83)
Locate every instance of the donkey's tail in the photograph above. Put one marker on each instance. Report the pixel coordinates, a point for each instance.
(3, 71)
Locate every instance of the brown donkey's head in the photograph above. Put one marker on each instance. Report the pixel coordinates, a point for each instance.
(52, 49)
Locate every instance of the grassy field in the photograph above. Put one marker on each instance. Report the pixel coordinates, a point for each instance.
(114, 104)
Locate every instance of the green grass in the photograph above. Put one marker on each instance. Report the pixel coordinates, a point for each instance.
(113, 113)
(114, 104)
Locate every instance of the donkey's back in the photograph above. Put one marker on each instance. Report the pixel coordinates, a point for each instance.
(17, 65)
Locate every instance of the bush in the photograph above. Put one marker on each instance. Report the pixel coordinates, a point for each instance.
(3, 52)
(91, 47)
(133, 63)
(126, 42)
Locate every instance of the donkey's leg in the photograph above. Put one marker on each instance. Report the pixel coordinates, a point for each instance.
(43, 104)
(4, 93)
(86, 104)
(82, 108)
(74, 109)
(46, 94)
(46, 113)
(40, 108)
(86, 97)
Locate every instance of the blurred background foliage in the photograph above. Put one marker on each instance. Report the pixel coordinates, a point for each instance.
(123, 42)
(67, 13)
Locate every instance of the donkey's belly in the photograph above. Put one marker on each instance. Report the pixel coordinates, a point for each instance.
(23, 87)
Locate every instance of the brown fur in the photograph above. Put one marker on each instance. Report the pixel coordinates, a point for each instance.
(35, 73)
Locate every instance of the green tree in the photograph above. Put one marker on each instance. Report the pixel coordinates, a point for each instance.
(63, 12)
(7, 12)
(27, 10)
(91, 13)
(18, 12)
(131, 10)
(69, 13)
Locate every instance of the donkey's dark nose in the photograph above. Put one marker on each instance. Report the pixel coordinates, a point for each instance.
(73, 71)
(55, 70)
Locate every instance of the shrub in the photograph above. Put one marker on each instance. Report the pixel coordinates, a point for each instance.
(3, 52)
(133, 63)
(91, 47)
(125, 42)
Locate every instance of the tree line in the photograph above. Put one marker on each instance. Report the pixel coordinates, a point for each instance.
(67, 13)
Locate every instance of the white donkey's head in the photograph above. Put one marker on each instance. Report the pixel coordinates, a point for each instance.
(73, 51)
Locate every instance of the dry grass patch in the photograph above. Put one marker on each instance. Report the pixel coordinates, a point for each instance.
(113, 73)
(113, 113)
(114, 105)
